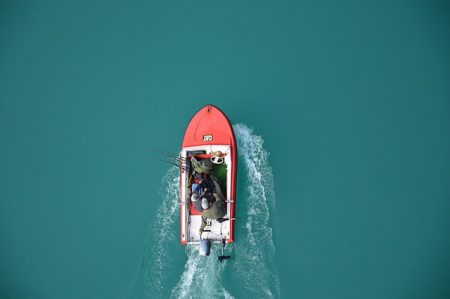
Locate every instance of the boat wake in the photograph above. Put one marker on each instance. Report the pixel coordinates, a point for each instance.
(251, 271)
(201, 278)
(156, 260)
(255, 250)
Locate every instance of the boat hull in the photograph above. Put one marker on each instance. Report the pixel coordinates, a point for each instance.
(209, 131)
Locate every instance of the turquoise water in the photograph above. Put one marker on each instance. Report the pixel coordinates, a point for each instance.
(351, 100)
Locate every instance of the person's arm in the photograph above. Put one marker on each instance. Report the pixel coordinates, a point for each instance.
(218, 190)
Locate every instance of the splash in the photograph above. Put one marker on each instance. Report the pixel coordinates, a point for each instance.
(201, 278)
(255, 251)
(156, 262)
(251, 270)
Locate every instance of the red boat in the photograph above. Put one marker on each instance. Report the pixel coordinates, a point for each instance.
(208, 149)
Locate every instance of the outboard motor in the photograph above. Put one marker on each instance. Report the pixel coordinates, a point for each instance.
(205, 247)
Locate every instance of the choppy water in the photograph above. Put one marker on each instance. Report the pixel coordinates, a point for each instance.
(251, 270)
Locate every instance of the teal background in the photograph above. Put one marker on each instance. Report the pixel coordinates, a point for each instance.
(351, 98)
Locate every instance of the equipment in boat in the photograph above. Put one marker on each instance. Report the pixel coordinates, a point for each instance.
(204, 247)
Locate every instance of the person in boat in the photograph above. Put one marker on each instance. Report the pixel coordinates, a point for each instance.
(202, 184)
(214, 211)
(198, 201)
(202, 188)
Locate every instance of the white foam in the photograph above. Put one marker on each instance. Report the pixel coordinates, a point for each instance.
(201, 277)
(252, 259)
(255, 251)
(163, 232)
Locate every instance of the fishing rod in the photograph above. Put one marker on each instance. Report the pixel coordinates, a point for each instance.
(184, 163)
(169, 162)
(165, 152)
(169, 154)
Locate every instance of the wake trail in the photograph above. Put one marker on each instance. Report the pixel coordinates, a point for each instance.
(252, 267)
(201, 277)
(255, 252)
(156, 260)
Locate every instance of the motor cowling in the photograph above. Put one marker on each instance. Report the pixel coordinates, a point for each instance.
(205, 247)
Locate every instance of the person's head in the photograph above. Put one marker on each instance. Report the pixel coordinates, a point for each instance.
(205, 204)
(194, 197)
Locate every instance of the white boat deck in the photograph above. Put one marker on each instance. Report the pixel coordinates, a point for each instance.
(190, 224)
(218, 231)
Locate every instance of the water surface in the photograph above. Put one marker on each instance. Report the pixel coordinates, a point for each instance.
(350, 98)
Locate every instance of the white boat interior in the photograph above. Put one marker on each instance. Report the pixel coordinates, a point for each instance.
(190, 217)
